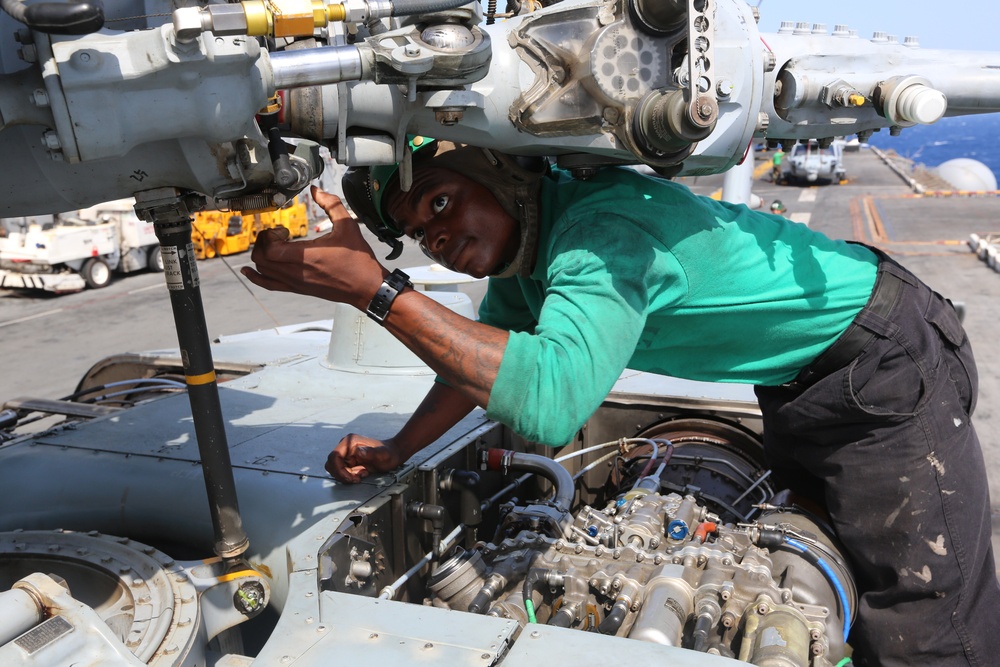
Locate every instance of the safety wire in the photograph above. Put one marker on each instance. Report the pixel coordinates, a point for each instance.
(241, 281)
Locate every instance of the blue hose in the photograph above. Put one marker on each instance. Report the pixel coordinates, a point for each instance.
(831, 575)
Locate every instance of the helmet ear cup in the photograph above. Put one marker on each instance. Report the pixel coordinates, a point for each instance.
(356, 184)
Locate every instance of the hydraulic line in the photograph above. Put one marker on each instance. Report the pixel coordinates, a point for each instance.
(813, 558)
(652, 459)
(772, 539)
(613, 621)
(57, 18)
(510, 488)
(503, 459)
(535, 576)
(139, 384)
(411, 7)
(389, 592)
(593, 464)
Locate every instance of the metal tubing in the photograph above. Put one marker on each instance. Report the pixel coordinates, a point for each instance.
(173, 230)
(315, 67)
(562, 481)
(413, 7)
(19, 612)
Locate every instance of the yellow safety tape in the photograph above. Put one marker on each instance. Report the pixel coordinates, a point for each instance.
(204, 378)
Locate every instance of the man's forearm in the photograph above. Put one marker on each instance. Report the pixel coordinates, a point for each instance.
(442, 408)
(465, 353)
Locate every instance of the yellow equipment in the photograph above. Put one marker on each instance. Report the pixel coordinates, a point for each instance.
(231, 232)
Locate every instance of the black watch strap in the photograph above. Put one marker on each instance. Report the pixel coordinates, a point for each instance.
(394, 283)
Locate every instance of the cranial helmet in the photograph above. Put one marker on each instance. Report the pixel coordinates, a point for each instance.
(512, 180)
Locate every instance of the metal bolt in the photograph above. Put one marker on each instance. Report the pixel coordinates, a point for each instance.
(40, 98)
(448, 117)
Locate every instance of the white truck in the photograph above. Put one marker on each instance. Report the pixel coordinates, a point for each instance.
(67, 252)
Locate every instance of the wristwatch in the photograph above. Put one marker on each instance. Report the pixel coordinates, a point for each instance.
(394, 283)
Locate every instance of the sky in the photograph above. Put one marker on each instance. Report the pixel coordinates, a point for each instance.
(972, 26)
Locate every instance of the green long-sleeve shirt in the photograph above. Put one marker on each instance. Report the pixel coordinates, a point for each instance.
(637, 272)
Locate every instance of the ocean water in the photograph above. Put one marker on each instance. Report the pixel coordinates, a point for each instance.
(976, 137)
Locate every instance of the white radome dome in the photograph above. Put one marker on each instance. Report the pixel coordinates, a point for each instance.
(967, 174)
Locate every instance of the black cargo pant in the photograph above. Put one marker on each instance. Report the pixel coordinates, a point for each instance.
(885, 439)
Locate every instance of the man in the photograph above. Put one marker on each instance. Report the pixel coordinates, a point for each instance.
(865, 377)
(776, 172)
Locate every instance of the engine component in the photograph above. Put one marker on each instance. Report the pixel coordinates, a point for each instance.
(154, 608)
(658, 565)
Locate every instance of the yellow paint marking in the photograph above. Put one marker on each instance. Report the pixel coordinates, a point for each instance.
(762, 169)
(236, 575)
(857, 222)
(874, 221)
(204, 378)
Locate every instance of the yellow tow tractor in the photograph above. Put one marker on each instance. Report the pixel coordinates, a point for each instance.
(231, 232)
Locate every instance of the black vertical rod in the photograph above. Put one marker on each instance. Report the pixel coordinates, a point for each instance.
(172, 224)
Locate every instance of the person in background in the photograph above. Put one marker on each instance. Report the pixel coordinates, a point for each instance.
(776, 160)
(864, 375)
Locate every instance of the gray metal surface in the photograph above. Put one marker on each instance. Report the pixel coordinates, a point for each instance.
(370, 631)
(544, 644)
